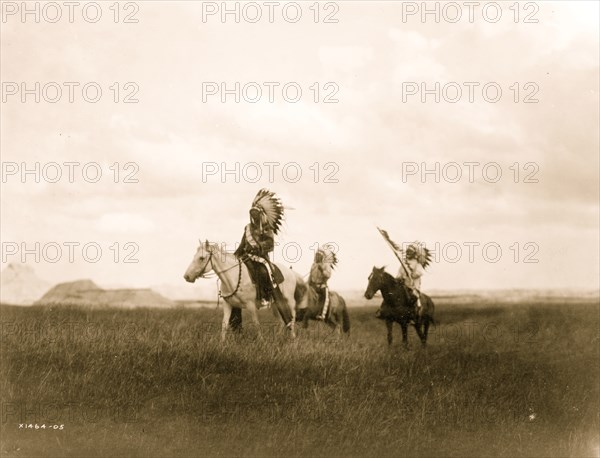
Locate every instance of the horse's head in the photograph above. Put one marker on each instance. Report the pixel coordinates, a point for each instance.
(376, 281)
(201, 262)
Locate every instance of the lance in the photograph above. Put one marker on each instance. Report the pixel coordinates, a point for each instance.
(394, 248)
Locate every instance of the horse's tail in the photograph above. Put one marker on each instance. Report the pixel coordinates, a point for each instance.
(345, 316)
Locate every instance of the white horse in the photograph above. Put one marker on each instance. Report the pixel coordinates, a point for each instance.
(238, 290)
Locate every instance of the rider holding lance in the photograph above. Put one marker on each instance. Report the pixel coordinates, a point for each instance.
(416, 258)
(412, 266)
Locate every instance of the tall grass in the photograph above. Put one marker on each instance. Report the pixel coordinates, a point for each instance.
(494, 381)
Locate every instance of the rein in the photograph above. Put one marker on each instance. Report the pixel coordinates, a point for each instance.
(239, 281)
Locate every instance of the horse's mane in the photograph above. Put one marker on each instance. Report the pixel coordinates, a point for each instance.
(388, 276)
(392, 280)
(219, 246)
(396, 287)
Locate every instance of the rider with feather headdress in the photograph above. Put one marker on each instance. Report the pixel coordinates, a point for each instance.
(258, 241)
(416, 259)
(320, 272)
(413, 262)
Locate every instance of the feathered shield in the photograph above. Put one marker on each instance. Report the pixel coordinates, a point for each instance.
(270, 209)
(397, 248)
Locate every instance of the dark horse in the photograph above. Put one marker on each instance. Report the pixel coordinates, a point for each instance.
(397, 305)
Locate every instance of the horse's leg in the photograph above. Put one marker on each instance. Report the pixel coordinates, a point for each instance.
(389, 325)
(418, 328)
(284, 296)
(291, 325)
(307, 315)
(251, 306)
(331, 321)
(425, 329)
(293, 322)
(301, 301)
(404, 327)
(335, 314)
(427, 317)
(235, 319)
(338, 323)
(305, 318)
(308, 311)
(226, 316)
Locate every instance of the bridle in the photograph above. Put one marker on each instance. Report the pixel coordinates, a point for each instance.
(239, 280)
(371, 287)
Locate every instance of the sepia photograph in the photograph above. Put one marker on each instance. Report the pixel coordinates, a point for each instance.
(299, 229)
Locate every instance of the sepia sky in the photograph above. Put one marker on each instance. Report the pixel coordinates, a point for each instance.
(370, 139)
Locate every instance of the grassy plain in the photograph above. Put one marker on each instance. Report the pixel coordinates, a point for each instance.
(495, 380)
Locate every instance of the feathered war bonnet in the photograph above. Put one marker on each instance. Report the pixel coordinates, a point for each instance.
(326, 254)
(421, 253)
(267, 207)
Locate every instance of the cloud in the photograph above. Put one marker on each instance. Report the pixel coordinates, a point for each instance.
(124, 223)
(171, 133)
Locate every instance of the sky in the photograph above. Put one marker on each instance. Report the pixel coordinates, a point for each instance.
(514, 203)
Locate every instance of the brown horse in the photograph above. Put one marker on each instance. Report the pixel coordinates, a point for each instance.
(337, 318)
(397, 306)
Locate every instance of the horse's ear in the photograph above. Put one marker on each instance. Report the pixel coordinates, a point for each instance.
(206, 243)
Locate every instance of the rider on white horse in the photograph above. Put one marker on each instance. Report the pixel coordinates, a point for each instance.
(320, 273)
(258, 241)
